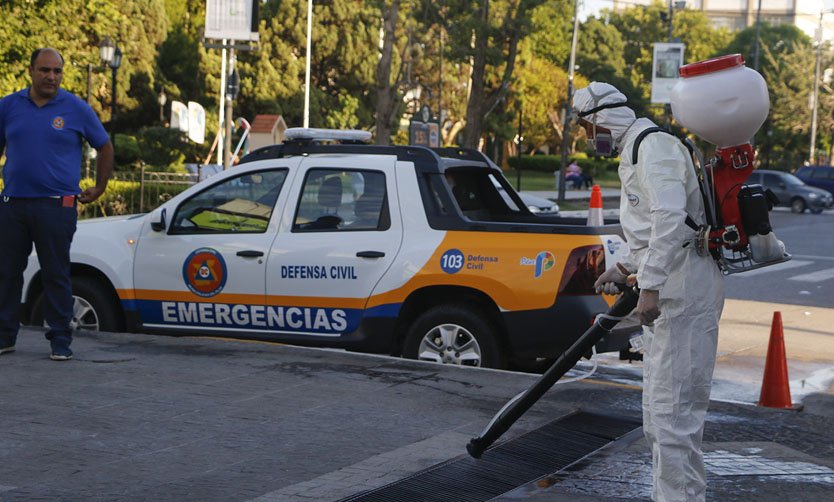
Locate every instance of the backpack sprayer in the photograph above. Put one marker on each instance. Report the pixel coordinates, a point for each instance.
(724, 102)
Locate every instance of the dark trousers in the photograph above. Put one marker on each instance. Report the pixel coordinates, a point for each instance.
(44, 222)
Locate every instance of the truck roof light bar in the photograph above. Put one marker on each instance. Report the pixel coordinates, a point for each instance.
(307, 135)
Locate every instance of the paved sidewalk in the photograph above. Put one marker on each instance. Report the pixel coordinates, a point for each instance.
(573, 195)
(141, 417)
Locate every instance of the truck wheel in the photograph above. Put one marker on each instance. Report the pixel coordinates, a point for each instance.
(797, 205)
(93, 309)
(453, 334)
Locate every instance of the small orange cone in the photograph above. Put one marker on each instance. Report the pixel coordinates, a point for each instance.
(776, 392)
(595, 209)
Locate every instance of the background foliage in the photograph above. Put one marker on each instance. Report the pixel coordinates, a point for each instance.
(479, 65)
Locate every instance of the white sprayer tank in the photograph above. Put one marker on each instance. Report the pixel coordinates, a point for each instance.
(721, 100)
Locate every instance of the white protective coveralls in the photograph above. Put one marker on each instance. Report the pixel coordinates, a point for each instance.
(657, 194)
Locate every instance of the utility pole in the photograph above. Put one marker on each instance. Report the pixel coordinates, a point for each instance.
(816, 90)
(667, 108)
(566, 125)
(520, 139)
(758, 30)
(307, 75)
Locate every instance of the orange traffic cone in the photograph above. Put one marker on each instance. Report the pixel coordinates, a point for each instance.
(595, 209)
(776, 392)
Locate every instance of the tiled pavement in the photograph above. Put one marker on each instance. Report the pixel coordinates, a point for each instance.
(139, 417)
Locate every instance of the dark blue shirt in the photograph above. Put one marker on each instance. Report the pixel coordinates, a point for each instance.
(43, 144)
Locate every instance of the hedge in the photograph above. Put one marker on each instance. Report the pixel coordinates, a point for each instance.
(551, 163)
(124, 197)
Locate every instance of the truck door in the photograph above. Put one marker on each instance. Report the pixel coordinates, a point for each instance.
(340, 234)
(206, 270)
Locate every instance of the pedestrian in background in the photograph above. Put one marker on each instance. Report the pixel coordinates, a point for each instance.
(681, 295)
(41, 131)
(575, 175)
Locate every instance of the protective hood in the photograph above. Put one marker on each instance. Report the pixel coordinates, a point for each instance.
(618, 120)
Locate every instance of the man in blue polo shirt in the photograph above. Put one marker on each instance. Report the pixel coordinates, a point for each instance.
(41, 130)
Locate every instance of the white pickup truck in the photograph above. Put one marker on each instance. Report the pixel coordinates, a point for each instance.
(390, 249)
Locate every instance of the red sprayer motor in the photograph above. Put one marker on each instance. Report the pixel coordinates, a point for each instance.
(724, 102)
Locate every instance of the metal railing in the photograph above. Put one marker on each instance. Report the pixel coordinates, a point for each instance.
(140, 191)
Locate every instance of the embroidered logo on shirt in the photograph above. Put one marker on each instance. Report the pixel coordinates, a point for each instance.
(58, 123)
(633, 199)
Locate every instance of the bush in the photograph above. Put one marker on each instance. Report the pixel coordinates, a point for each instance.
(127, 151)
(163, 148)
(124, 197)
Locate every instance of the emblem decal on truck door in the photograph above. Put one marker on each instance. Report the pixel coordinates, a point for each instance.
(204, 272)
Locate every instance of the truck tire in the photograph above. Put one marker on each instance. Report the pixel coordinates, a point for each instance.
(94, 307)
(454, 334)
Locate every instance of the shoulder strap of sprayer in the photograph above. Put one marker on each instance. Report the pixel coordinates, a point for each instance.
(636, 148)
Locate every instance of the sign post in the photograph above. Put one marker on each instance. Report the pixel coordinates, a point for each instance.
(424, 130)
(229, 21)
(668, 57)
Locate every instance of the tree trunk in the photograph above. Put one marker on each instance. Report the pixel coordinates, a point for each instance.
(474, 108)
(386, 91)
(480, 105)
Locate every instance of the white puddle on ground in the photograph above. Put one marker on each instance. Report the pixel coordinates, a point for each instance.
(739, 385)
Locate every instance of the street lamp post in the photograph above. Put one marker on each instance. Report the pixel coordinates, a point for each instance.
(162, 99)
(111, 56)
(816, 91)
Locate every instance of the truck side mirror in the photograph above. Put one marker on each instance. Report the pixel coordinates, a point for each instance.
(159, 226)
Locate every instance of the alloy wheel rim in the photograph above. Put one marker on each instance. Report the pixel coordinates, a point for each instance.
(450, 344)
(84, 316)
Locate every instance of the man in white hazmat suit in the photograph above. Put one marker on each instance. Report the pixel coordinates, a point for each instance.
(682, 294)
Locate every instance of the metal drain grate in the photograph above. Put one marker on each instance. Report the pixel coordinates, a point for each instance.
(508, 465)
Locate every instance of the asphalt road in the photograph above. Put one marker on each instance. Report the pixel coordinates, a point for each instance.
(808, 279)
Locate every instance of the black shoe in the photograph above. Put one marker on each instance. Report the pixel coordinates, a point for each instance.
(60, 350)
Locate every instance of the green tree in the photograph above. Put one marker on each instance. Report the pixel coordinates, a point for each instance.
(639, 28)
(486, 34)
(786, 62)
(540, 90)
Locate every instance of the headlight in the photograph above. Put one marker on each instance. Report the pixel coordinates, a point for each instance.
(813, 195)
(534, 209)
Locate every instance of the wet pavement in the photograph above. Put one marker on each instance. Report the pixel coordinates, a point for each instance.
(141, 417)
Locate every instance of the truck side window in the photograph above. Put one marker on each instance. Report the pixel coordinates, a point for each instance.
(342, 200)
(242, 204)
(476, 195)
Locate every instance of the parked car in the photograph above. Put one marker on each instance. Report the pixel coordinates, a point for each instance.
(539, 205)
(817, 176)
(792, 191)
(536, 205)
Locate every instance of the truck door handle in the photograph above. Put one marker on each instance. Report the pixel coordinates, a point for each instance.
(370, 254)
(250, 253)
